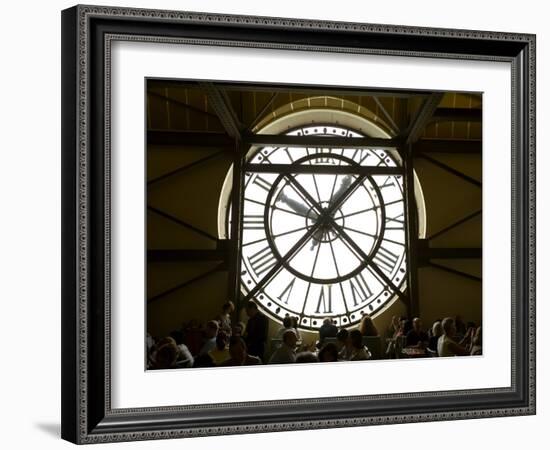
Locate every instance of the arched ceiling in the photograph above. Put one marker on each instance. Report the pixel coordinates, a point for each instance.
(190, 106)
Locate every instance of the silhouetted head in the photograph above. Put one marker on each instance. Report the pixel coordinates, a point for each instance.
(237, 349)
(211, 329)
(417, 324)
(356, 339)
(329, 353)
(251, 309)
(228, 307)
(290, 339)
(449, 327)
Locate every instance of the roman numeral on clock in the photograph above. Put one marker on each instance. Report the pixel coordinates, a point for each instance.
(324, 159)
(325, 300)
(387, 183)
(262, 261)
(395, 223)
(385, 259)
(262, 183)
(362, 153)
(253, 222)
(360, 290)
(285, 295)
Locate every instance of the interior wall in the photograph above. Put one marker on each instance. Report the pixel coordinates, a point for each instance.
(191, 196)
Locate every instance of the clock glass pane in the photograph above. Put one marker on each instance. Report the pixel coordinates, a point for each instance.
(323, 231)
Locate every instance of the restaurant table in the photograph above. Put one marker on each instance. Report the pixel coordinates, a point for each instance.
(413, 352)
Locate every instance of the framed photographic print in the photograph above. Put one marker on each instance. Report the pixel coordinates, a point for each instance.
(282, 224)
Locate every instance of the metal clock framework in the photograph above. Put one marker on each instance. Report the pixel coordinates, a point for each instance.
(323, 229)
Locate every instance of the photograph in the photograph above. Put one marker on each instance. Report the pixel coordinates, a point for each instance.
(280, 224)
(303, 224)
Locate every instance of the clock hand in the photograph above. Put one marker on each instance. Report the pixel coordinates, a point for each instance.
(304, 211)
(344, 185)
(320, 233)
(298, 207)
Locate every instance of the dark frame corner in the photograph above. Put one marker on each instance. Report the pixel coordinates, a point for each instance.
(87, 416)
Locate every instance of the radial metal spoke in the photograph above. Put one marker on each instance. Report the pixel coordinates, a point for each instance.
(296, 213)
(338, 274)
(360, 232)
(342, 198)
(372, 208)
(373, 235)
(316, 188)
(334, 259)
(332, 190)
(367, 259)
(309, 283)
(279, 265)
(275, 236)
(298, 188)
(315, 260)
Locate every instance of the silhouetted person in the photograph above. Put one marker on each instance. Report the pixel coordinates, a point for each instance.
(405, 325)
(210, 333)
(446, 345)
(460, 328)
(225, 317)
(286, 353)
(166, 354)
(358, 351)
(287, 325)
(221, 353)
(392, 330)
(367, 327)
(256, 330)
(306, 357)
(417, 337)
(328, 329)
(437, 331)
(475, 348)
(239, 354)
(329, 353)
(238, 329)
(342, 343)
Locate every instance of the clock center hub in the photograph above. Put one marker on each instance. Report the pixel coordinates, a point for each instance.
(325, 231)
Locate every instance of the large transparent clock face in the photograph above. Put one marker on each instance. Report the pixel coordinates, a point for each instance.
(326, 239)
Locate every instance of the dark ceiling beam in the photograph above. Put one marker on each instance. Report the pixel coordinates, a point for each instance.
(328, 169)
(425, 252)
(423, 117)
(224, 110)
(329, 90)
(294, 89)
(451, 170)
(457, 115)
(183, 104)
(281, 140)
(455, 224)
(260, 115)
(454, 253)
(182, 223)
(446, 146)
(189, 139)
(218, 268)
(185, 167)
(387, 115)
(180, 139)
(455, 272)
(182, 255)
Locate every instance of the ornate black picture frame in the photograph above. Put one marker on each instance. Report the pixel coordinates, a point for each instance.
(87, 34)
